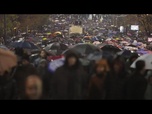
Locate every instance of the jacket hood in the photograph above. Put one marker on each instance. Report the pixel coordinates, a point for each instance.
(69, 55)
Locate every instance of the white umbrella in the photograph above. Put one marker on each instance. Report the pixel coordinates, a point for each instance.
(96, 43)
(108, 39)
(124, 42)
(148, 60)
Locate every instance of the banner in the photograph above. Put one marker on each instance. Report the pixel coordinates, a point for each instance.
(134, 27)
(76, 29)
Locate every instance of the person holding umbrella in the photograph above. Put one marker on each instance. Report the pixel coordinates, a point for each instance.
(115, 83)
(97, 82)
(69, 81)
(137, 83)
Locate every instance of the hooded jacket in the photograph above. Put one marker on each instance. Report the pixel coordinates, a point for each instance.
(69, 82)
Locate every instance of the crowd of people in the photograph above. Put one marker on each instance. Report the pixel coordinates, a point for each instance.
(102, 80)
(108, 78)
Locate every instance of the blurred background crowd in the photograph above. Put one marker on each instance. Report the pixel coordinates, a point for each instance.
(76, 57)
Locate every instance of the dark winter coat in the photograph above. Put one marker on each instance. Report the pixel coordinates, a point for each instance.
(8, 89)
(97, 88)
(115, 86)
(46, 77)
(136, 87)
(21, 73)
(69, 83)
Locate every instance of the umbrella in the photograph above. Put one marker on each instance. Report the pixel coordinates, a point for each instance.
(96, 43)
(7, 60)
(98, 55)
(84, 62)
(83, 49)
(88, 37)
(24, 44)
(108, 39)
(44, 39)
(125, 53)
(58, 32)
(124, 42)
(110, 48)
(148, 60)
(95, 56)
(131, 45)
(56, 46)
(142, 52)
(117, 38)
(48, 33)
(3, 47)
(101, 45)
(60, 62)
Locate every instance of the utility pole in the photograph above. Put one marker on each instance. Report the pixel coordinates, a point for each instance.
(4, 28)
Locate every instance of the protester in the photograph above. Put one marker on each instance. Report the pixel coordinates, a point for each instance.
(33, 88)
(22, 71)
(43, 55)
(8, 87)
(45, 75)
(148, 93)
(132, 58)
(115, 82)
(27, 74)
(69, 80)
(97, 82)
(136, 85)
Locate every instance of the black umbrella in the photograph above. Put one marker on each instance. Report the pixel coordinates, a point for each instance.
(99, 55)
(56, 46)
(83, 49)
(110, 48)
(94, 56)
(101, 45)
(125, 53)
(24, 44)
(131, 45)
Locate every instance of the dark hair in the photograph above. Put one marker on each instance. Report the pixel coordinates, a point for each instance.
(119, 61)
(19, 51)
(45, 53)
(26, 57)
(69, 55)
(134, 55)
(140, 64)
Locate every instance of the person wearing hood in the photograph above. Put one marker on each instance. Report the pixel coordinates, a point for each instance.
(137, 83)
(97, 82)
(69, 81)
(115, 83)
(129, 62)
(22, 71)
